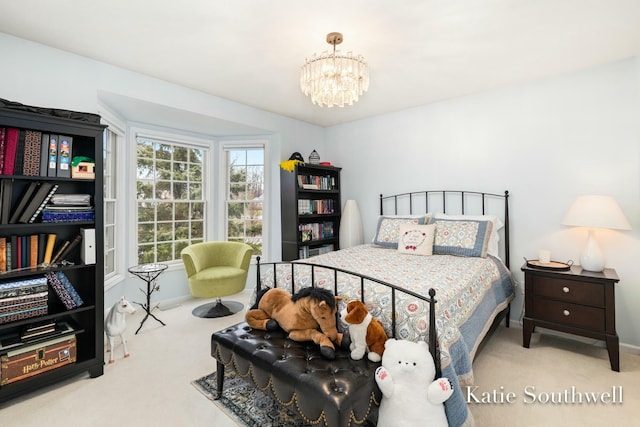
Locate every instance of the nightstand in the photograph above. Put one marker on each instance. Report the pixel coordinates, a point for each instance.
(574, 301)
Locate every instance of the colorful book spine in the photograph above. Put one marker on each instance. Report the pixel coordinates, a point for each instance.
(48, 252)
(60, 291)
(64, 156)
(53, 155)
(69, 287)
(11, 146)
(32, 148)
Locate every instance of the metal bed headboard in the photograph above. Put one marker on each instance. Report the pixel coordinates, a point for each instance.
(462, 200)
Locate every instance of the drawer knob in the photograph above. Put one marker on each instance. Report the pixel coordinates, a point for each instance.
(566, 312)
(565, 290)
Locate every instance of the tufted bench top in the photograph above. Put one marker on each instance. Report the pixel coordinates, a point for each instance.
(340, 392)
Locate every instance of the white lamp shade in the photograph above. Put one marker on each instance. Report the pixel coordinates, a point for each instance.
(596, 212)
(350, 225)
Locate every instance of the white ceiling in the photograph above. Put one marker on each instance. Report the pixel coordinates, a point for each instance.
(419, 51)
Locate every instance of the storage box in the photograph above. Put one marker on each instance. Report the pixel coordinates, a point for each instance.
(35, 359)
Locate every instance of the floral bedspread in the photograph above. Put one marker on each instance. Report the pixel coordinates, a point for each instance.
(470, 292)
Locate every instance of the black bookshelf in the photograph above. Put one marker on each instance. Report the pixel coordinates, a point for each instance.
(88, 280)
(310, 199)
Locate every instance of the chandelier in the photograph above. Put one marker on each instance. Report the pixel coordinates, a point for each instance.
(334, 78)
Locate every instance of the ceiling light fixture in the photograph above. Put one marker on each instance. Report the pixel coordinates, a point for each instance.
(333, 78)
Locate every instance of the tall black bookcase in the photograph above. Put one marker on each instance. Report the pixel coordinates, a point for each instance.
(88, 280)
(310, 210)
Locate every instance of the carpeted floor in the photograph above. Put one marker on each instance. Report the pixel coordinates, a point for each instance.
(245, 404)
(153, 386)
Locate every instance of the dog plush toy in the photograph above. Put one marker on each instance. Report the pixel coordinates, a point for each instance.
(366, 333)
(410, 395)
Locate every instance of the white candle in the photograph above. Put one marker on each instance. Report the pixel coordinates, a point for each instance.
(544, 256)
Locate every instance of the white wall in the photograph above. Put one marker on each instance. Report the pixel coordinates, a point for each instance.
(34, 74)
(546, 142)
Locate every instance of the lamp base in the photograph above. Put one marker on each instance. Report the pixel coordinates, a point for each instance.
(592, 258)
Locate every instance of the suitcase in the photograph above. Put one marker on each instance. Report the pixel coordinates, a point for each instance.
(35, 359)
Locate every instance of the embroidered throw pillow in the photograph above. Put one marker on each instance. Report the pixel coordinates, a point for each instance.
(387, 232)
(461, 237)
(416, 239)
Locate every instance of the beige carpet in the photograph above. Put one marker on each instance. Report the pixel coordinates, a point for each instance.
(550, 366)
(153, 386)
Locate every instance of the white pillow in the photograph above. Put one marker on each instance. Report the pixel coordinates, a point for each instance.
(416, 239)
(494, 238)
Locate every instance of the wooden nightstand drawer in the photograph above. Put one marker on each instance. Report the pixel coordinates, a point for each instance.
(570, 290)
(569, 314)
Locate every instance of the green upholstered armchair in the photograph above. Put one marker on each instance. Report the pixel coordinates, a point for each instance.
(214, 270)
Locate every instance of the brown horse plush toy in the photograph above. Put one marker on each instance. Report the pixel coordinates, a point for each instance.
(308, 315)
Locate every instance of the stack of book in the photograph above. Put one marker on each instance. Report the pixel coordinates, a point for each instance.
(35, 332)
(308, 207)
(69, 208)
(23, 299)
(319, 230)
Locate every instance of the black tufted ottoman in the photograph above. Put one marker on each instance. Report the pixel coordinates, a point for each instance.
(340, 392)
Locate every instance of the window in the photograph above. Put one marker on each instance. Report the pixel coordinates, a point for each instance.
(170, 197)
(111, 206)
(113, 156)
(245, 193)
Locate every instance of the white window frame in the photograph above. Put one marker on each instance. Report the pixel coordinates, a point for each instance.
(238, 143)
(117, 126)
(174, 138)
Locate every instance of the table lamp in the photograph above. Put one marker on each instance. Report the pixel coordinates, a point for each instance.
(595, 212)
(350, 225)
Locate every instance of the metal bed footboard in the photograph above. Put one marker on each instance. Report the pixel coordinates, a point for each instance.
(432, 336)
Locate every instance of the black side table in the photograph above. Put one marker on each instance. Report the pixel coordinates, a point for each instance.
(149, 273)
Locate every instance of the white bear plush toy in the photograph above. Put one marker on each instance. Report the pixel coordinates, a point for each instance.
(410, 396)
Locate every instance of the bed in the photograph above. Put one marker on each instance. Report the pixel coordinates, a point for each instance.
(470, 275)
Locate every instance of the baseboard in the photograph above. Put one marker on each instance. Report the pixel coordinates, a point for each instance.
(170, 303)
(625, 348)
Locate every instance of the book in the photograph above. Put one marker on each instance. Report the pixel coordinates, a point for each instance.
(11, 145)
(9, 254)
(43, 204)
(2, 142)
(24, 260)
(60, 250)
(52, 164)
(33, 250)
(66, 250)
(48, 252)
(34, 203)
(60, 290)
(22, 202)
(7, 192)
(42, 244)
(44, 154)
(18, 252)
(3, 254)
(32, 148)
(64, 156)
(14, 249)
(69, 287)
(17, 165)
